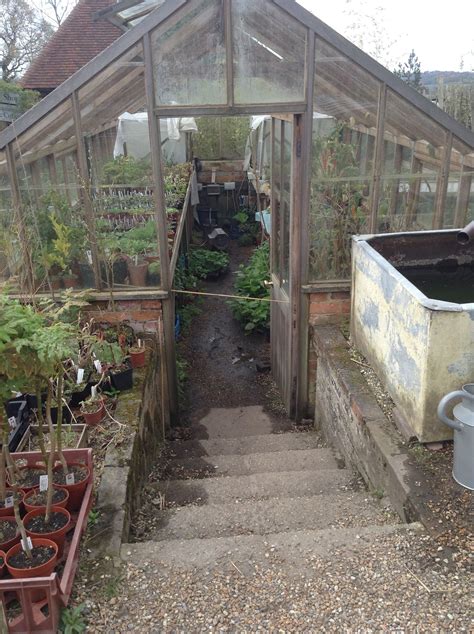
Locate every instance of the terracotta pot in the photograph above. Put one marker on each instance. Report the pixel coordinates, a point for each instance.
(137, 273)
(6, 545)
(76, 491)
(137, 358)
(2, 565)
(31, 507)
(7, 511)
(44, 570)
(71, 281)
(94, 418)
(59, 536)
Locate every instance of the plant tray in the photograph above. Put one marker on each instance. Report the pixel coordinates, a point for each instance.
(43, 616)
(77, 428)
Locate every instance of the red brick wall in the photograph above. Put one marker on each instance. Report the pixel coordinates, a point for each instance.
(326, 307)
(142, 315)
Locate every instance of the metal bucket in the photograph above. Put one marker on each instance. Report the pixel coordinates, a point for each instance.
(463, 426)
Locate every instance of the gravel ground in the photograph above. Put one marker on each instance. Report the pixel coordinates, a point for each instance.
(405, 583)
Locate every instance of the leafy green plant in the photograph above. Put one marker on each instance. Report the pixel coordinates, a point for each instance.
(203, 262)
(72, 620)
(127, 170)
(93, 518)
(253, 313)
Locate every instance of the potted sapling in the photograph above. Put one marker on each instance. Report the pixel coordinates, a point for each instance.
(117, 366)
(138, 354)
(18, 326)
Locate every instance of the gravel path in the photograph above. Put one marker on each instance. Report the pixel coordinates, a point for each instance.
(402, 584)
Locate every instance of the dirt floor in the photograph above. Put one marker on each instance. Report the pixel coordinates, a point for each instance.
(222, 360)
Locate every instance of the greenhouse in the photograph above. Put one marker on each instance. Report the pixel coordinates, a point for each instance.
(101, 181)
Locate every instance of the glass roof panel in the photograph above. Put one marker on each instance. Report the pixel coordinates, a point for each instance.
(269, 54)
(189, 57)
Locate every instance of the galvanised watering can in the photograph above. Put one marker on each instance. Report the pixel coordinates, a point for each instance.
(463, 425)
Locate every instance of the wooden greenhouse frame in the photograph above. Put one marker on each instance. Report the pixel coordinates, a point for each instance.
(126, 76)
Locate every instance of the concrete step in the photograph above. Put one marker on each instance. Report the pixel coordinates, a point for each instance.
(232, 465)
(293, 551)
(265, 443)
(268, 516)
(258, 486)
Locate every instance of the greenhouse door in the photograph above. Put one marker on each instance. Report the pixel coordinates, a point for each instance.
(282, 233)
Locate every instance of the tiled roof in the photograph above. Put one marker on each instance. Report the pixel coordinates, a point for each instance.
(76, 42)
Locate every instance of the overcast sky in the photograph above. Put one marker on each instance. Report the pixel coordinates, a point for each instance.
(441, 33)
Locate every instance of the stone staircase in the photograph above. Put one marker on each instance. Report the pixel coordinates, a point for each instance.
(244, 499)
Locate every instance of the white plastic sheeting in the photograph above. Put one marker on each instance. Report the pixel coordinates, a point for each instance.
(132, 131)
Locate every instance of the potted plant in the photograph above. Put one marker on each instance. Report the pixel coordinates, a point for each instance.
(93, 408)
(137, 266)
(138, 354)
(154, 273)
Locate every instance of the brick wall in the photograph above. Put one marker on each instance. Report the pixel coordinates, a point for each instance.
(325, 307)
(143, 315)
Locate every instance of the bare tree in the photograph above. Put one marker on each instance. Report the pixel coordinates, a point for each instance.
(56, 11)
(23, 33)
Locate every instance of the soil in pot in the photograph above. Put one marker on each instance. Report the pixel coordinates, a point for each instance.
(40, 556)
(76, 491)
(9, 532)
(29, 477)
(37, 499)
(7, 511)
(55, 528)
(122, 379)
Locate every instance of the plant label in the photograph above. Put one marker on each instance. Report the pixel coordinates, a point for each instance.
(9, 502)
(89, 256)
(98, 366)
(69, 478)
(43, 486)
(29, 543)
(94, 391)
(80, 376)
(12, 422)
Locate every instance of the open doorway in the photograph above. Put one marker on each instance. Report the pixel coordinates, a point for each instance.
(232, 279)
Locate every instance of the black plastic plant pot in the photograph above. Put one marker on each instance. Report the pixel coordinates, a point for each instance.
(18, 429)
(120, 271)
(32, 401)
(87, 275)
(14, 405)
(66, 415)
(122, 380)
(79, 396)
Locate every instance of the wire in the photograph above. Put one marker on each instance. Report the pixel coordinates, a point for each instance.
(242, 297)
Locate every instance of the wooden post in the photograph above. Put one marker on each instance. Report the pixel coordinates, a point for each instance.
(84, 188)
(36, 182)
(302, 341)
(378, 159)
(442, 182)
(413, 191)
(162, 231)
(53, 174)
(19, 217)
(464, 191)
(394, 189)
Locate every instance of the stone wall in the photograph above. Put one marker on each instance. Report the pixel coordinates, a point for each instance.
(348, 415)
(127, 466)
(325, 307)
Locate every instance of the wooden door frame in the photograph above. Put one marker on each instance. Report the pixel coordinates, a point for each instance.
(295, 255)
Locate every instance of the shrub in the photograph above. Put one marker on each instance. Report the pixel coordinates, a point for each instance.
(253, 314)
(203, 262)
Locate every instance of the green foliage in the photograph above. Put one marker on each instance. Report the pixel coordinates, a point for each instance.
(129, 171)
(221, 137)
(410, 72)
(107, 352)
(72, 621)
(253, 314)
(203, 262)
(27, 98)
(186, 314)
(93, 518)
(338, 204)
(245, 240)
(176, 179)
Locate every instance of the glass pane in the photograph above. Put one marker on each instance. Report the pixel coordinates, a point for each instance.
(344, 129)
(221, 138)
(189, 59)
(269, 53)
(286, 202)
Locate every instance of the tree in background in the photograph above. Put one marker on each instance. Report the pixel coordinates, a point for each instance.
(366, 28)
(23, 33)
(410, 72)
(56, 11)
